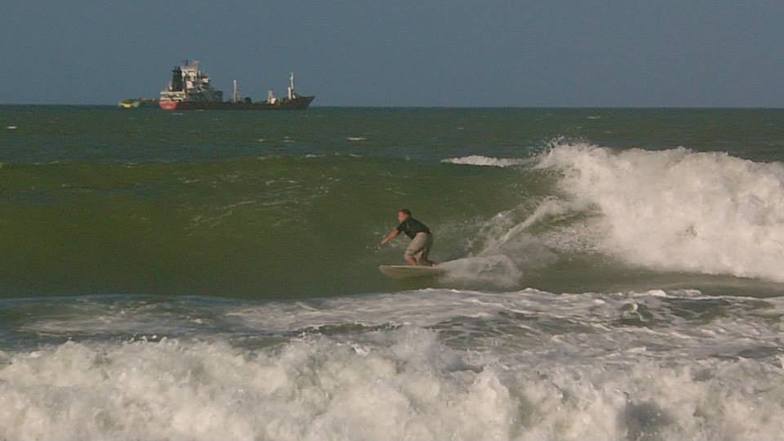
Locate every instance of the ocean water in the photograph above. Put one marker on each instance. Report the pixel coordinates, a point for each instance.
(611, 275)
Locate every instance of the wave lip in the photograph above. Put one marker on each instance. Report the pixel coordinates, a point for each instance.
(680, 210)
(485, 161)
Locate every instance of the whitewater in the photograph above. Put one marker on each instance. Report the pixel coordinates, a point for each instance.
(432, 365)
(676, 209)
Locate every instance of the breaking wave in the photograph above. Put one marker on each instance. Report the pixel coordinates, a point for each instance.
(680, 210)
(668, 210)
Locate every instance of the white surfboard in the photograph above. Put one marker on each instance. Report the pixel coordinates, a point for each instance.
(410, 271)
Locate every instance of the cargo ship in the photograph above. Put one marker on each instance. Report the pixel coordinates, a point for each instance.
(190, 89)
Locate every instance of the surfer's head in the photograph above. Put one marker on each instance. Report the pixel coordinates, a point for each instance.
(403, 214)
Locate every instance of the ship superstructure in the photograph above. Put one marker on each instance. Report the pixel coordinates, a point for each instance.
(190, 89)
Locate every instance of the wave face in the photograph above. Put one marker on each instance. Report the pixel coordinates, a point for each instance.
(211, 228)
(205, 203)
(432, 364)
(680, 210)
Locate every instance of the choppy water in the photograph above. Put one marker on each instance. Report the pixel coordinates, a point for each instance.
(612, 275)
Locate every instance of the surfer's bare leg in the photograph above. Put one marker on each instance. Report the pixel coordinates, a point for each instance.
(410, 260)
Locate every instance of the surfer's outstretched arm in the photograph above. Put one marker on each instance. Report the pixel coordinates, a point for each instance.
(389, 237)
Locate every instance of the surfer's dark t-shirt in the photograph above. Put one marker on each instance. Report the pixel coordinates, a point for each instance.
(412, 226)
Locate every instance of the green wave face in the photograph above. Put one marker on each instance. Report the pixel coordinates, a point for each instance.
(256, 227)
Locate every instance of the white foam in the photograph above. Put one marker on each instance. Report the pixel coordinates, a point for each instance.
(404, 385)
(388, 385)
(485, 161)
(585, 323)
(459, 365)
(680, 210)
(492, 270)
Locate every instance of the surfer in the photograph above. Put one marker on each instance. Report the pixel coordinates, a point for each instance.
(420, 235)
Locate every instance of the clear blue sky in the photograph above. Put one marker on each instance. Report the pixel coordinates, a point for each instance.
(405, 52)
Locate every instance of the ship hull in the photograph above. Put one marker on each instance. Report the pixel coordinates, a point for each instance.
(298, 103)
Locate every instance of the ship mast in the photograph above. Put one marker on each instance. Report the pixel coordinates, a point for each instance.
(291, 86)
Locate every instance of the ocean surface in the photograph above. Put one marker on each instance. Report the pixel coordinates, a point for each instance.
(611, 275)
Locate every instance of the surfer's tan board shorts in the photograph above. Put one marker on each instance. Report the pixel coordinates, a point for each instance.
(420, 246)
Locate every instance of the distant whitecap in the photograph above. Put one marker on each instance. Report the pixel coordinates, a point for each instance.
(485, 161)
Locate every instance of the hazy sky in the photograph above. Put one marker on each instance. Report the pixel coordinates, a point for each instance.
(403, 53)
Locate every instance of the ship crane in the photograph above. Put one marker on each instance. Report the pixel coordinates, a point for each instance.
(235, 97)
(291, 93)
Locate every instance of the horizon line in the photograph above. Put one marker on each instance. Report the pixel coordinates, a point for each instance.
(458, 107)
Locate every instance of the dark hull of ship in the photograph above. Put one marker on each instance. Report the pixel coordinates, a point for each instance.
(298, 103)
